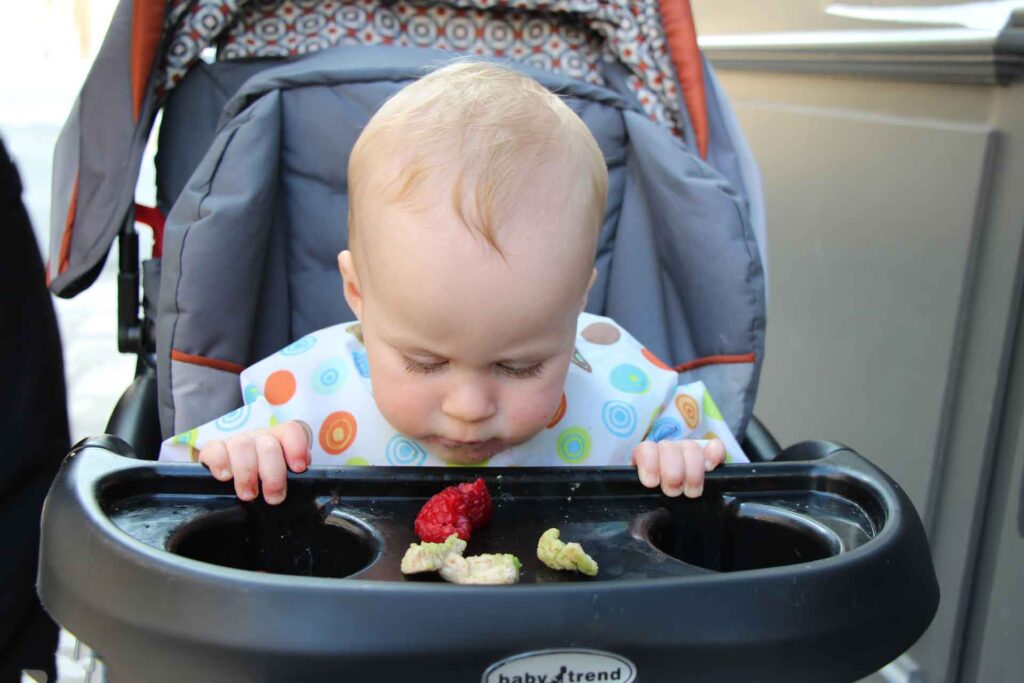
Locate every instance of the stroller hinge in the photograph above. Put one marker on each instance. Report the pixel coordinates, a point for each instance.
(130, 327)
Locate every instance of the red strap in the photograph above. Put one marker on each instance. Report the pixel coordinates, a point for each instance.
(715, 360)
(215, 363)
(681, 35)
(151, 216)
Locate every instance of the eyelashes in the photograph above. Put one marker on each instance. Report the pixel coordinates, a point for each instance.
(531, 372)
(419, 368)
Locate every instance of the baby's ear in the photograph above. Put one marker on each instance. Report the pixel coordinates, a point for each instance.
(586, 293)
(353, 293)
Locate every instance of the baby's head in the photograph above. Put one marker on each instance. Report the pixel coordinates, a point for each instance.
(476, 197)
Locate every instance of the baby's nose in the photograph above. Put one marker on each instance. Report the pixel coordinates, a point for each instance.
(469, 401)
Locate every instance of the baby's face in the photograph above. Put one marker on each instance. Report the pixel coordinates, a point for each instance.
(468, 351)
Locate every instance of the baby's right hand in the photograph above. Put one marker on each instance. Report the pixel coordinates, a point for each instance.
(259, 456)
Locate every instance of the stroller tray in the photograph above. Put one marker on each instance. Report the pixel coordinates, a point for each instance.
(804, 570)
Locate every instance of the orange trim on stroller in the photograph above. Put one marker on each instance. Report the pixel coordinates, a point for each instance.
(69, 226)
(715, 360)
(216, 364)
(681, 34)
(147, 28)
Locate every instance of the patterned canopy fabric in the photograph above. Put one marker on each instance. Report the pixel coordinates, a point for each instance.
(570, 37)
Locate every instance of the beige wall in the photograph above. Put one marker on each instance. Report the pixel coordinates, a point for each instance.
(895, 230)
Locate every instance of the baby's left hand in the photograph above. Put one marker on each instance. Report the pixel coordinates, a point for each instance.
(678, 466)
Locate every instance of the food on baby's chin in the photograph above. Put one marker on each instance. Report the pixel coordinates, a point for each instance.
(487, 570)
(454, 510)
(559, 555)
(430, 557)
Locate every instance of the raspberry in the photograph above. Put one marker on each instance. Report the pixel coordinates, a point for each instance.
(455, 510)
(443, 515)
(478, 502)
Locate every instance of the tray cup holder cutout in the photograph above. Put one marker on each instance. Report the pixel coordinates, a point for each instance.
(257, 539)
(733, 535)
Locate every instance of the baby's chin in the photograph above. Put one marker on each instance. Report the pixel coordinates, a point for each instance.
(474, 454)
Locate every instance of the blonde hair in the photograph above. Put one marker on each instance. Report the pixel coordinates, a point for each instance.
(489, 130)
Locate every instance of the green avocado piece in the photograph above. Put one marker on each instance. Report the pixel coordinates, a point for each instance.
(564, 556)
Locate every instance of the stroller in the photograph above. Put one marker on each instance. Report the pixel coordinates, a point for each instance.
(251, 173)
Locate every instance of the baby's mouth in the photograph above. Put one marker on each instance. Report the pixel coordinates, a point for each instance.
(468, 451)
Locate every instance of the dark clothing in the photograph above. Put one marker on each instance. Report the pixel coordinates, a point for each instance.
(34, 422)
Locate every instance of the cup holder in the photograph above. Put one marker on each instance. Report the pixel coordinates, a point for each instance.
(272, 541)
(734, 536)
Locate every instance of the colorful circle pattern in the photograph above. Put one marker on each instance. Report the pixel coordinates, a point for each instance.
(630, 379)
(279, 387)
(654, 360)
(401, 451)
(666, 428)
(619, 418)
(560, 413)
(337, 432)
(361, 363)
(688, 408)
(601, 333)
(299, 346)
(330, 376)
(233, 420)
(711, 410)
(573, 445)
(187, 438)
(250, 393)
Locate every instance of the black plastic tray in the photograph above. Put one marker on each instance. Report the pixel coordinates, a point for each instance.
(793, 571)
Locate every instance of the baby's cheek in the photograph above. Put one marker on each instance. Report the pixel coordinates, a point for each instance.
(533, 412)
(403, 407)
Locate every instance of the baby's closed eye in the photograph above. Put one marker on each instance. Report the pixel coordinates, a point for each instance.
(530, 371)
(421, 368)
(525, 372)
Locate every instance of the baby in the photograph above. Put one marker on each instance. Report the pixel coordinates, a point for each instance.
(476, 197)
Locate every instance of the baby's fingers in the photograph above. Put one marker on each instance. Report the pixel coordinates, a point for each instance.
(242, 455)
(714, 454)
(694, 458)
(294, 440)
(215, 456)
(270, 462)
(645, 457)
(673, 467)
